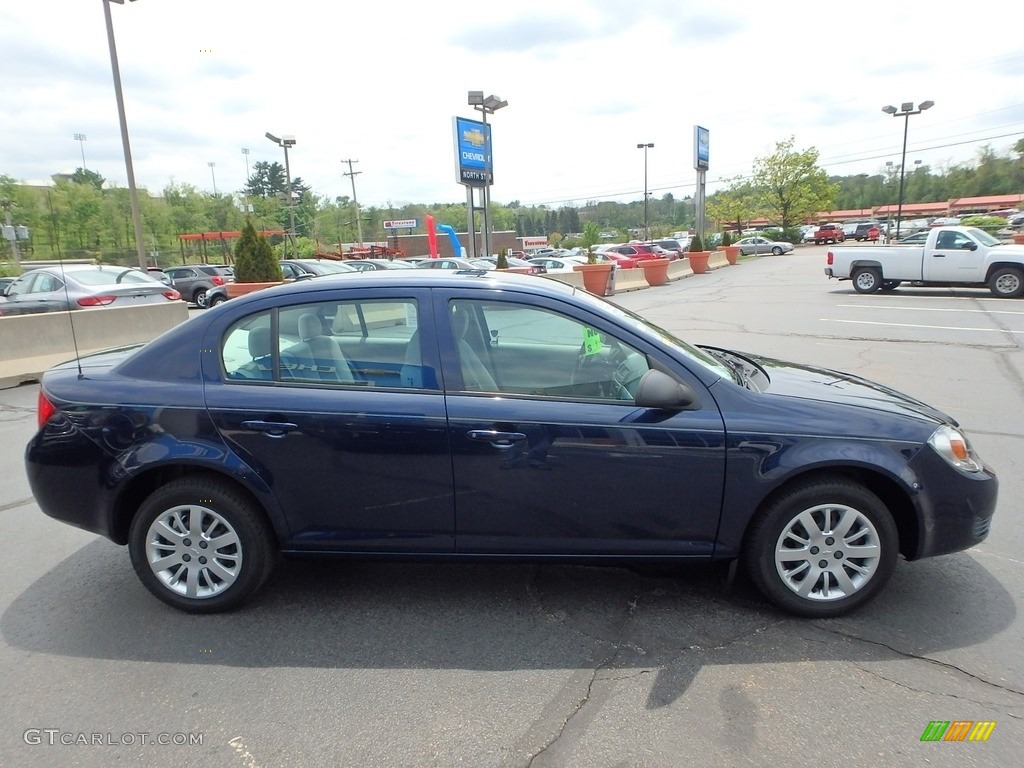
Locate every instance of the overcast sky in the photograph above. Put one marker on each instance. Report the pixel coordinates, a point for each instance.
(585, 81)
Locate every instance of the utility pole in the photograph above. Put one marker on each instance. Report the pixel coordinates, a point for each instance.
(352, 175)
(6, 205)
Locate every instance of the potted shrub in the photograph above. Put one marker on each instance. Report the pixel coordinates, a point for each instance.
(697, 256)
(255, 265)
(598, 278)
(732, 252)
(655, 270)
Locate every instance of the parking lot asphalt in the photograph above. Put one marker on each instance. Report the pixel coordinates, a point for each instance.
(367, 664)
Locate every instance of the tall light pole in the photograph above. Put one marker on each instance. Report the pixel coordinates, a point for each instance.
(133, 194)
(80, 138)
(245, 151)
(285, 142)
(214, 175)
(905, 111)
(355, 200)
(487, 105)
(647, 224)
(245, 188)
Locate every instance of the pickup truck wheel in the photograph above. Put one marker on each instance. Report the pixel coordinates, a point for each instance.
(867, 280)
(1007, 283)
(822, 548)
(890, 285)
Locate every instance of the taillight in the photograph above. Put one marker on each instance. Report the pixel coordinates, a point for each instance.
(44, 409)
(96, 301)
(828, 259)
(217, 280)
(172, 295)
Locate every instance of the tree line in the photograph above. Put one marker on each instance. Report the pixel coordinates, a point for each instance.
(82, 216)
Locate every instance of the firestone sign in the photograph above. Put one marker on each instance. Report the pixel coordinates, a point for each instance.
(400, 224)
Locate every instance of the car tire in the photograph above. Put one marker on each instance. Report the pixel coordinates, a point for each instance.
(822, 548)
(776, 251)
(199, 297)
(890, 285)
(1007, 283)
(173, 544)
(218, 299)
(866, 279)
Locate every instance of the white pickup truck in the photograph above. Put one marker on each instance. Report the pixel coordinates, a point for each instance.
(951, 256)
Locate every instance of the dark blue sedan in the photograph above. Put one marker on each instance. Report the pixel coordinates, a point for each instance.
(436, 414)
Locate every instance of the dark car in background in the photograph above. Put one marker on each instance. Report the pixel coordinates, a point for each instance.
(193, 281)
(82, 286)
(480, 416)
(291, 270)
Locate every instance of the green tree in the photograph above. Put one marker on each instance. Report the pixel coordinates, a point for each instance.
(85, 176)
(735, 205)
(791, 186)
(591, 234)
(254, 258)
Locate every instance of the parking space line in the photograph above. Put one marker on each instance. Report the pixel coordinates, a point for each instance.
(932, 309)
(916, 325)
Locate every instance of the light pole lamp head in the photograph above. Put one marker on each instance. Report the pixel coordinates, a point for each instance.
(493, 103)
(273, 138)
(907, 106)
(889, 109)
(476, 98)
(649, 145)
(925, 105)
(288, 141)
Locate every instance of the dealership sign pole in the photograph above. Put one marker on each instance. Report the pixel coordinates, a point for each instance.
(472, 168)
(700, 163)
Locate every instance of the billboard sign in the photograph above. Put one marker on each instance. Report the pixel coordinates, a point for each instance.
(400, 224)
(473, 163)
(701, 154)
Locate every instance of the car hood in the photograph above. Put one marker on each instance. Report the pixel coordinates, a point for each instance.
(809, 382)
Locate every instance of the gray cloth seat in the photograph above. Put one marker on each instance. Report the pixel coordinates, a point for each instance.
(317, 357)
(475, 375)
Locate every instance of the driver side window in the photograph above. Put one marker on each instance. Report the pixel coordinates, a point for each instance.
(516, 349)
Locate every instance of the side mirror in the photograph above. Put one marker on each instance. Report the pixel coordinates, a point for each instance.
(659, 390)
(971, 246)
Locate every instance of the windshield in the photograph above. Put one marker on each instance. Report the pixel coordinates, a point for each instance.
(983, 237)
(691, 353)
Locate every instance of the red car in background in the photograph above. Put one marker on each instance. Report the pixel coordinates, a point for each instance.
(627, 256)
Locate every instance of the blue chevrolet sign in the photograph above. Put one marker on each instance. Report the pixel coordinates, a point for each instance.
(473, 162)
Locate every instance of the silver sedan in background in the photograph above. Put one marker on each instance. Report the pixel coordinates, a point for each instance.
(759, 245)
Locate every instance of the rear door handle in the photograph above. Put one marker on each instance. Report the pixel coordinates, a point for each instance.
(270, 428)
(495, 438)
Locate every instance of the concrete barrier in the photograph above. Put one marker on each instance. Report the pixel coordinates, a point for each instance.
(30, 344)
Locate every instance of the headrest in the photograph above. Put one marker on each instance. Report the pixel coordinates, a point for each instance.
(460, 321)
(259, 342)
(310, 326)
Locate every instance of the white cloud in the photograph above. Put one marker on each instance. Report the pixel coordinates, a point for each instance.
(586, 80)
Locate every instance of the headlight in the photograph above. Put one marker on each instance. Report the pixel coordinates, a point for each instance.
(952, 445)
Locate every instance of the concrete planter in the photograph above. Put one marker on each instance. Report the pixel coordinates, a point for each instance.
(234, 290)
(732, 253)
(655, 271)
(698, 261)
(597, 278)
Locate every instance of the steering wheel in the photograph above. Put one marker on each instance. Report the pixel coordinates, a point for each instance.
(605, 373)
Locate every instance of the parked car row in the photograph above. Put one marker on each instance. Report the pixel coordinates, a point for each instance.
(82, 286)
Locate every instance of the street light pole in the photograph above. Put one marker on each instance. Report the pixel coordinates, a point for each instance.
(487, 106)
(133, 194)
(647, 224)
(905, 111)
(214, 175)
(80, 138)
(285, 142)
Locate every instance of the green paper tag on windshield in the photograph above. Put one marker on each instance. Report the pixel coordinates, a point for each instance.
(591, 341)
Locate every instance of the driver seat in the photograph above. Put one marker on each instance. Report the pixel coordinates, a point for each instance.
(475, 376)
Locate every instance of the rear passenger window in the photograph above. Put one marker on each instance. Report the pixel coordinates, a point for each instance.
(372, 343)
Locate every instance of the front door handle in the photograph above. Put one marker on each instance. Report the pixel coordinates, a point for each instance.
(270, 428)
(496, 438)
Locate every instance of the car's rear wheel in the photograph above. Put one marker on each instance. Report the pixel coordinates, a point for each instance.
(1007, 283)
(200, 298)
(822, 548)
(200, 546)
(866, 279)
(218, 299)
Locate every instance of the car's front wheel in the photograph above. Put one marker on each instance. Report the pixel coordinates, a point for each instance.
(200, 546)
(777, 251)
(1007, 283)
(822, 548)
(200, 298)
(220, 298)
